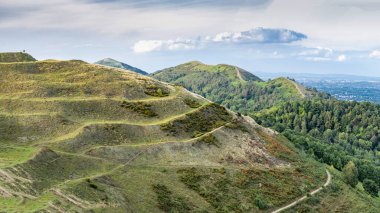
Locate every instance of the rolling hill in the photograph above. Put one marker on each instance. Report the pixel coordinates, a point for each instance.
(79, 137)
(117, 64)
(233, 87)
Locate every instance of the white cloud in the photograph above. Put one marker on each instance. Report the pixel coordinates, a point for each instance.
(316, 59)
(147, 46)
(318, 51)
(260, 35)
(155, 45)
(317, 54)
(316, 18)
(254, 36)
(341, 58)
(322, 54)
(375, 54)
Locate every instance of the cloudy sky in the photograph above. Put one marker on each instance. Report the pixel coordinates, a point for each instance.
(303, 36)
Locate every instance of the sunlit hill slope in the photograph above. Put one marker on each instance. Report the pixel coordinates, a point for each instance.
(77, 137)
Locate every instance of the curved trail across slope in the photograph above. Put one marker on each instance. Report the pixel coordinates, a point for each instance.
(239, 74)
(299, 89)
(304, 197)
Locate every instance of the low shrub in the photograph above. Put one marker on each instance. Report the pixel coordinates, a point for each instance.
(191, 178)
(168, 202)
(209, 139)
(235, 124)
(139, 107)
(261, 203)
(313, 200)
(191, 103)
(156, 91)
(202, 121)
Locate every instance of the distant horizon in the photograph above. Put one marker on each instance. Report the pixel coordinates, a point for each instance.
(255, 72)
(318, 74)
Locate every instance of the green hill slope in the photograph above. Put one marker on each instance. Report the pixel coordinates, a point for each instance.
(77, 137)
(233, 87)
(333, 132)
(15, 57)
(117, 64)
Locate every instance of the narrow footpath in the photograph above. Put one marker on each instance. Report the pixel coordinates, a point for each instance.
(304, 197)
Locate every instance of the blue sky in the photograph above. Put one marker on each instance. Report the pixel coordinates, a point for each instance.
(304, 36)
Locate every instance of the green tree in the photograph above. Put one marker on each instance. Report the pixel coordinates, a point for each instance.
(350, 173)
(329, 135)
(371, 187)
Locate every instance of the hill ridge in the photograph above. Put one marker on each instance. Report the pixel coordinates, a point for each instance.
(10, 57)
(233, 87)
(225, 68)
(117, 64)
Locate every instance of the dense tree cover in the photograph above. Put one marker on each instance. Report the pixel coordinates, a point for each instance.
(233, 87)
(353, 125)
(334, 132)
(371, 187)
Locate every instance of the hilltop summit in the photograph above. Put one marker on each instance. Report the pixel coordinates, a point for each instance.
(193, 68)
(10, 57)
(232, 86)
(117, 64)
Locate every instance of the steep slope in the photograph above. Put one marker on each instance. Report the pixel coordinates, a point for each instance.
(233, 87)
(117, 64)
(15, 57)
(339, 197)
(77, 137)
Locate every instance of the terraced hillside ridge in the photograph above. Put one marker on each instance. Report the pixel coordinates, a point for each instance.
(15, 57)
(117, 64)
(233, 87)
(78, 137)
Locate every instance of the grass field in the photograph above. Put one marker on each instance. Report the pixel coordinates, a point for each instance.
(80, 137)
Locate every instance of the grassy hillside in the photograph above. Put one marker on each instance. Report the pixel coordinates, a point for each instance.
(233, 87)
(77, 137)
(15, 57)
(339, 197)
(117, 64)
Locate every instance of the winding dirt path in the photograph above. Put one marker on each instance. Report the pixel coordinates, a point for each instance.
(299, 89)
(239, 74)
(304, 197)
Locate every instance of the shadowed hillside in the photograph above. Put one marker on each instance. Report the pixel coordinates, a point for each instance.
(78, 137)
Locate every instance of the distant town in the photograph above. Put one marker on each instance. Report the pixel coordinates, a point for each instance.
(342, 87)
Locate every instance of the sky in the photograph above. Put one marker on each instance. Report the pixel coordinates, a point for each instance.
(293, 36)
